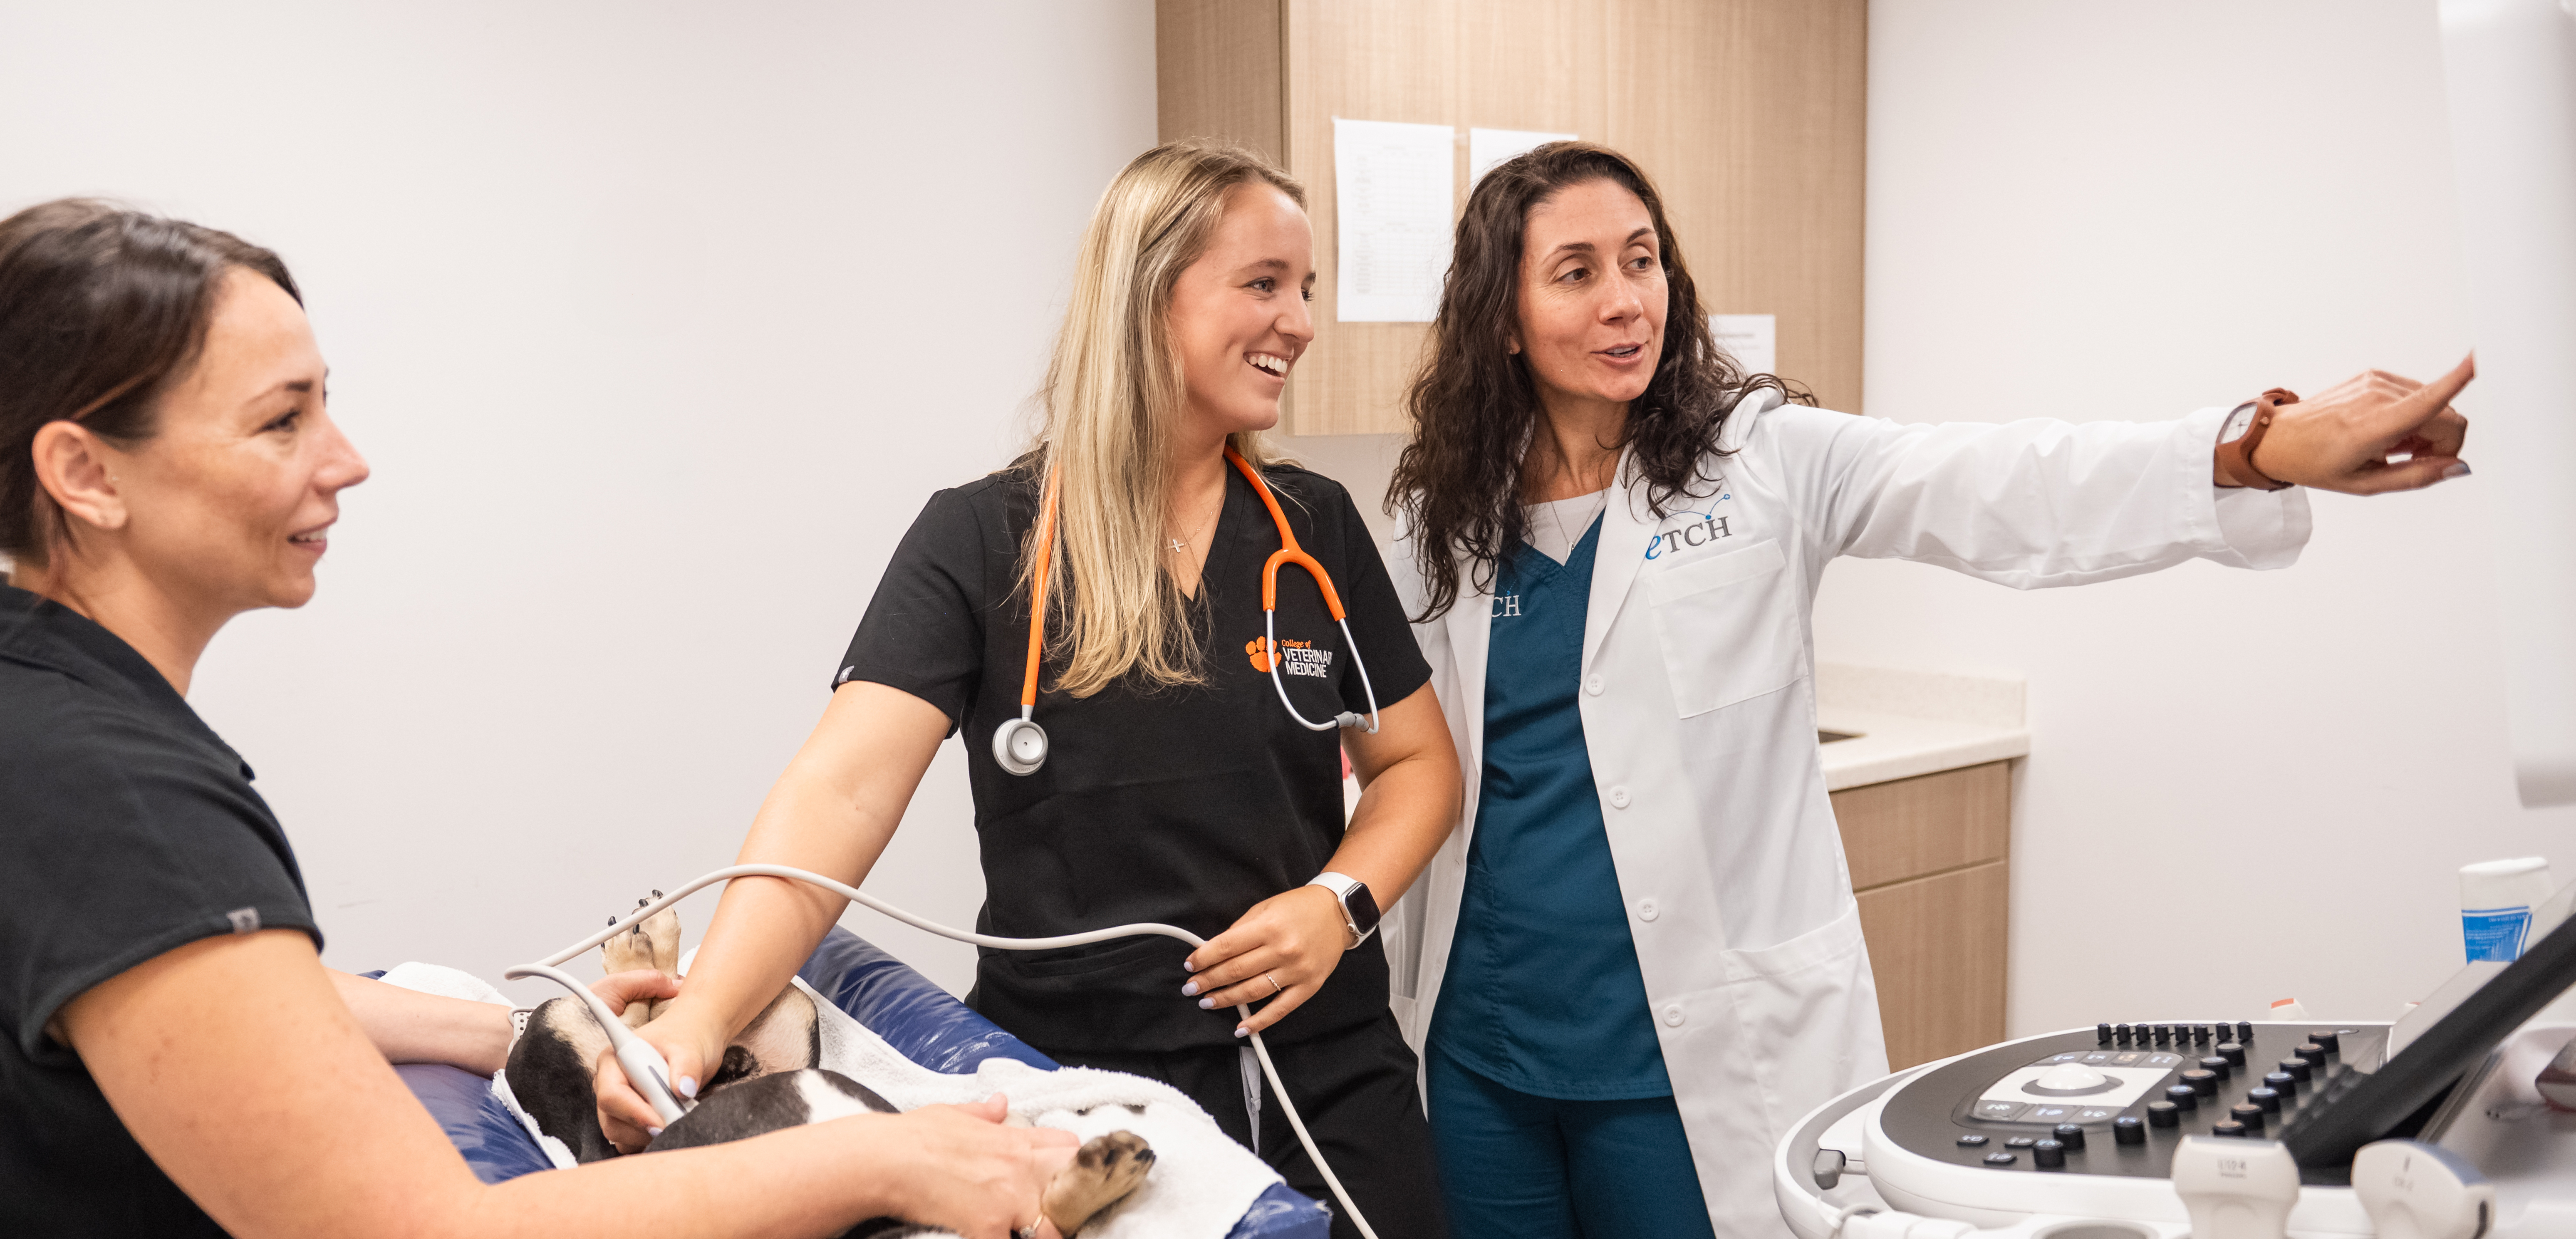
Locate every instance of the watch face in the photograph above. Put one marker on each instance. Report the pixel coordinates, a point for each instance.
(2239, 420)
(1361, 907)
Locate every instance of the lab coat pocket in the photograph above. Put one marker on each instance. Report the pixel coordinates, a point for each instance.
(1813, 992)
(1728, 626)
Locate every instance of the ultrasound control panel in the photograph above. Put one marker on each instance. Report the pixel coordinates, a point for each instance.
(2118, 1100)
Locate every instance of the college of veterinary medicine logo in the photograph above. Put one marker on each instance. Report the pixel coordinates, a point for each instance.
(1294, 657)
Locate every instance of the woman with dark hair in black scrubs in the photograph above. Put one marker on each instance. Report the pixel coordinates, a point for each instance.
(1176, 783)
(176, 1059)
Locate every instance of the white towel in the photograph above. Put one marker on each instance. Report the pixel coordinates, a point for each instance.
(444, 982)
(1202, 1182)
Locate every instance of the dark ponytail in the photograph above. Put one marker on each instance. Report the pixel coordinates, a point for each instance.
(101, 309)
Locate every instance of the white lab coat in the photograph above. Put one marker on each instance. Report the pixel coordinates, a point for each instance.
(1699, 714)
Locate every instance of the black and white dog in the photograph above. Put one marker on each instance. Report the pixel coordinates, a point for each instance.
(769, 1081)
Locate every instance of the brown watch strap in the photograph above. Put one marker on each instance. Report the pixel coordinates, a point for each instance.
(2236, 458)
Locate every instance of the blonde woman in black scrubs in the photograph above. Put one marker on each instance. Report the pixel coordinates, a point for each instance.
(1177, 786)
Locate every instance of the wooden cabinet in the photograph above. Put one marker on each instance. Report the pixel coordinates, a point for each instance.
(1928, 860)
(1748, 114)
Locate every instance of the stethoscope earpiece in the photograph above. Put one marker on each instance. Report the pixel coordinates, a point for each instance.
(1020, 746)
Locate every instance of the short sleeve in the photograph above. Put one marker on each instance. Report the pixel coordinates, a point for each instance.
(1380, 625)
(124, 843)
(924, 630)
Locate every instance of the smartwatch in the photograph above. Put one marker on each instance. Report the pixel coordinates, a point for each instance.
(1359, 907)
(2243, 431)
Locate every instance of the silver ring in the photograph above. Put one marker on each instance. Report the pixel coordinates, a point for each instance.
(1276, 989)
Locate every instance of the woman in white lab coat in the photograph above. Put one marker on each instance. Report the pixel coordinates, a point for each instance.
(1641, 960)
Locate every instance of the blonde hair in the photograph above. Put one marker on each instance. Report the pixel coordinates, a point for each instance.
(1113, 399)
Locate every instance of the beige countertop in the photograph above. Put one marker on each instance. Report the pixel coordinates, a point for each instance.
(1904, 723)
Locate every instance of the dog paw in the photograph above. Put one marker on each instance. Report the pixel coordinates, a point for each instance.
(1103, 1172)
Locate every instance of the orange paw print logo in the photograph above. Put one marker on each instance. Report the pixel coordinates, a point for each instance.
(1262, 657)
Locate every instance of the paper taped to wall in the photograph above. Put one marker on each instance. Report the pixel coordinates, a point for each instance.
(1753, 340)
(1393, 188)
(1487, 147)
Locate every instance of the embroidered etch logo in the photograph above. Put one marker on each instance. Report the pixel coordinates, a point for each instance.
(245, 920)
(1708, 528)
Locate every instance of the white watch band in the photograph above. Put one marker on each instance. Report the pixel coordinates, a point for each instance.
(1342, 884)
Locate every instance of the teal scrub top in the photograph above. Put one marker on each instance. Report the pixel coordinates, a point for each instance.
(1543, 993)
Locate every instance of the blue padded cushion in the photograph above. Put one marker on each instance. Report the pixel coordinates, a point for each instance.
(475, 1121)
(920, 1020)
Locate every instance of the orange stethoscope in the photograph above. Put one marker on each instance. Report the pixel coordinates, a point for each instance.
(1020, 745)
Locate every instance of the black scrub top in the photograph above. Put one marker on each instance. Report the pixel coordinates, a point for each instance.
(127, 829)
(1185, 805)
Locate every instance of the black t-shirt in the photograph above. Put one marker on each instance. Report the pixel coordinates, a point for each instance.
(1185, 805)
(128, 829)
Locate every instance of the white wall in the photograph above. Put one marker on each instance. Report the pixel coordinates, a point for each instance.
(659, 323)
(2242, 786)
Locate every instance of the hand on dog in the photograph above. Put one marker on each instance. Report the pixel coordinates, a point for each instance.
(1294, 940)
(640, 985)
(624, 1116)
(972, 1174)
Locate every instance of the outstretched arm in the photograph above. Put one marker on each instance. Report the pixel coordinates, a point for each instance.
(832, 812)
(2044, 503)
(407, 1026)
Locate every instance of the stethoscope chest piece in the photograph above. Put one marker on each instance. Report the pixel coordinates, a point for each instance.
(1020, 745)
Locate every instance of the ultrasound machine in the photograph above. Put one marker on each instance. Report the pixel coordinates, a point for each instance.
(2457, 1121)
(2439, 1126)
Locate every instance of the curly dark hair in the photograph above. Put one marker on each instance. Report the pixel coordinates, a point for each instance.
(1475, 405)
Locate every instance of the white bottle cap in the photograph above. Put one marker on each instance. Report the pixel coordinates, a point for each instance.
(2522, 882)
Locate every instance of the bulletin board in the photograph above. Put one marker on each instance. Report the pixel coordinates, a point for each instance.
(1748, 114)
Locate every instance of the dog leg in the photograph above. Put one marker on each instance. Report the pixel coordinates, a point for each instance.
(652, 943)
(1102, 1174)
(662, 932)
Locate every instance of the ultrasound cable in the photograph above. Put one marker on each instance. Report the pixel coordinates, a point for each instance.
(651, 1075)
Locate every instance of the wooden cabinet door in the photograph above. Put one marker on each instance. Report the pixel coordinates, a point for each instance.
(1936, 945)
(1928, 864)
